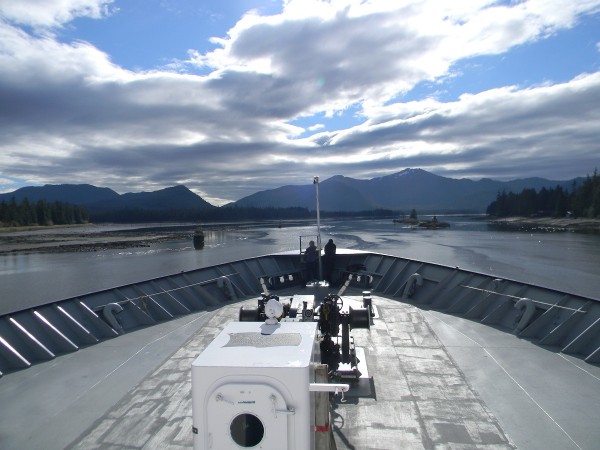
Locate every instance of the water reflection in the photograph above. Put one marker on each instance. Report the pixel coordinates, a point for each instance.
(566, 261)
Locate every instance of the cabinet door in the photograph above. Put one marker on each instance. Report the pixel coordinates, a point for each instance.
(247, 416)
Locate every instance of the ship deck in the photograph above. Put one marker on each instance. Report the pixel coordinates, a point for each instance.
(437, 381)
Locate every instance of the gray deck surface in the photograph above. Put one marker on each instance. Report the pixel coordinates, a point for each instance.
(543, 399)
(438, 382)
(421, 400)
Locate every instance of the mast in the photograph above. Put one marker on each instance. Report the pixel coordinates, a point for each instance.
(316, 183)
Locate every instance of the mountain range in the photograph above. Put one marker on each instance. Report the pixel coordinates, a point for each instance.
(402, 191)
(101, 199)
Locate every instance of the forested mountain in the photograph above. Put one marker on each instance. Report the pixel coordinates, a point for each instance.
(172, 198)
(76, 194)
(338, 195)
(95, 198)
(86, 202)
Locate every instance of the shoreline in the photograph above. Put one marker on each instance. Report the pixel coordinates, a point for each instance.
(578, 225)
(24, 242)
(98, 237)
(93, 237)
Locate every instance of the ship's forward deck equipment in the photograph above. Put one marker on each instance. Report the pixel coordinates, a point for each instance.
(257, 385)
(335, 320)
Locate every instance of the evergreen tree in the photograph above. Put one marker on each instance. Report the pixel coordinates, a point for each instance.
(583, 201)
(560, 202)
(41, 213)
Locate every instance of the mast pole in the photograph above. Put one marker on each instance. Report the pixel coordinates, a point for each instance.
(316, 183)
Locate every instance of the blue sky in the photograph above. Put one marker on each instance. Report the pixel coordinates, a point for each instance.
(234, 97)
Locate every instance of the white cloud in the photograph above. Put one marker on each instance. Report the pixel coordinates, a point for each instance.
(30, 61)
(69, 114)
(496, 129)
(315, 49)
(52, 13)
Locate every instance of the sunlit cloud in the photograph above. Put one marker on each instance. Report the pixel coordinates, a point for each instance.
(225, 121)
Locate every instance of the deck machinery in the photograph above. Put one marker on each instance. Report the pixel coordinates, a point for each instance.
(334, 322)
(264, 382)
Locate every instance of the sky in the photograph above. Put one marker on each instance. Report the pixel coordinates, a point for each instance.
(234, 97)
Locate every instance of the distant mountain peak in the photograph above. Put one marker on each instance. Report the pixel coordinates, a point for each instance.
(402, 174)
(410, 171)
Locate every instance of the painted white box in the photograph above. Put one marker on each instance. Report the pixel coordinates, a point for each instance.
(250, 387)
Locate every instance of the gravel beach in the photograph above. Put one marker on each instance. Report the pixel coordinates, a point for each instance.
(86, 238)
(581, 225)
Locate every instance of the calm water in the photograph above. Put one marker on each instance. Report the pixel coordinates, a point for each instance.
(564, 261)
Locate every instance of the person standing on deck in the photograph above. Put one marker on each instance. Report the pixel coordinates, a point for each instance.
(311, 256)
(329, 260)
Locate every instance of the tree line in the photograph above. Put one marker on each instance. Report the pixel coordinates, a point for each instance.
(235, 213)
(144, 215)
(43, 213)
(581, 201)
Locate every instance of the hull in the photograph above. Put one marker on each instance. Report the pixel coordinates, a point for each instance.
(519, 360)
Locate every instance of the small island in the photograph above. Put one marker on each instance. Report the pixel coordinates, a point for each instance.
(434, 223)
(413, 221)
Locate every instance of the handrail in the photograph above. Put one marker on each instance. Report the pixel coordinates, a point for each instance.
(519, 297)
(168, 291)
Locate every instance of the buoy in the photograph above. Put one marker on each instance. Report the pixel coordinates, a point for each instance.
(198, 239)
